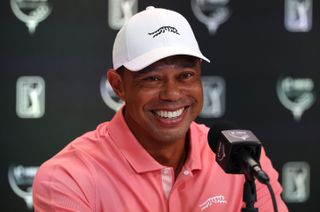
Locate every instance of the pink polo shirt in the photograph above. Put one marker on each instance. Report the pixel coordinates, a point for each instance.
(108, 170)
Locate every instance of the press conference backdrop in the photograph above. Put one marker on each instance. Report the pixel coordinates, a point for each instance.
(264, 75)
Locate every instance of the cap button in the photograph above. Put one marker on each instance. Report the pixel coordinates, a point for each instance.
(150, 7)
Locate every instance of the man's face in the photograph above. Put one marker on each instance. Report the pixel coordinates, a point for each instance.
(163, 99)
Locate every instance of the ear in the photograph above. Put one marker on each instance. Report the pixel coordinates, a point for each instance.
(116, 82)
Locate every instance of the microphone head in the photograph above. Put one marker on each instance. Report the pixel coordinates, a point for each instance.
(215, 132)
(229, 143)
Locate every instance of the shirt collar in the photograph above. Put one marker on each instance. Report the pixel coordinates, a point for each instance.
(137, 156)
(194, 157)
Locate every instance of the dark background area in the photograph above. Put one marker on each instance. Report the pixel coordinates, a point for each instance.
(71, 50)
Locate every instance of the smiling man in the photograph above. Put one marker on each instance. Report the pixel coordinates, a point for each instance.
(161, 102)
(151, 156)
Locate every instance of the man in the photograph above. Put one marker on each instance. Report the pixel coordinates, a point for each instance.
(151, 156)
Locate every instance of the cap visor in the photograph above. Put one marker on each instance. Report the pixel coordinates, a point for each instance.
(157, 54)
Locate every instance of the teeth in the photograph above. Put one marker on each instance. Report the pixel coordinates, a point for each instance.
(169, 114)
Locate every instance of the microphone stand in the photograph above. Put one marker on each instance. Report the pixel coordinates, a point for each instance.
(249, 193)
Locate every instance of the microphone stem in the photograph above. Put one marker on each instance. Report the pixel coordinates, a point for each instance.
(254, 167)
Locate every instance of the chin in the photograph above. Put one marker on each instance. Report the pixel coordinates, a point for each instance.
(168, 136)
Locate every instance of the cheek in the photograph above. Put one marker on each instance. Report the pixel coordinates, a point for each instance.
(197, 95)
(201, 93)
(141, 97)
(196, 91)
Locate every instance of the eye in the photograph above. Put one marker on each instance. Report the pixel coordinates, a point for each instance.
(152, 78)
(186, 75)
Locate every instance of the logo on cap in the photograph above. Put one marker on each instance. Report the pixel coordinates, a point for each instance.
(164, 29)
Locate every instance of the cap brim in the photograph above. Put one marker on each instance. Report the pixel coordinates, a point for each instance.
(157, 54)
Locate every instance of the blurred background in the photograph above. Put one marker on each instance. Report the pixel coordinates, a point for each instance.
(264, 75)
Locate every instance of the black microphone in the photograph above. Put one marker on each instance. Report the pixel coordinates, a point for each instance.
(237, 150)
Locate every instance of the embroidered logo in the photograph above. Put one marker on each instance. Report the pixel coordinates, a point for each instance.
(212, 200)
(164, 29)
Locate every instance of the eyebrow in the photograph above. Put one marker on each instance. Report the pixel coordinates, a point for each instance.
(188, 64)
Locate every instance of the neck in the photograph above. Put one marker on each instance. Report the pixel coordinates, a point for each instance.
(171, 156)
(171, 153)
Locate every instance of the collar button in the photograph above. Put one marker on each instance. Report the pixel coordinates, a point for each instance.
(186, 172)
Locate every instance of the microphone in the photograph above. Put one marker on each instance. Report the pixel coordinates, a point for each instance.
(237, 150)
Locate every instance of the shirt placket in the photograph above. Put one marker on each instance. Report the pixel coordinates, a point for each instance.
(167, 177)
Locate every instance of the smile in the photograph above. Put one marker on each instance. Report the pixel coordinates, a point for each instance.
(169, 114)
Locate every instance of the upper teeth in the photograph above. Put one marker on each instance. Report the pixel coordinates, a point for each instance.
(169, 114)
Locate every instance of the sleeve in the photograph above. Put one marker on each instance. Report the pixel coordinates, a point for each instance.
(62, 187)
(264, 202)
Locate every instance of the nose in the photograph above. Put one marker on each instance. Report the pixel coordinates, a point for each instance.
(171, 90)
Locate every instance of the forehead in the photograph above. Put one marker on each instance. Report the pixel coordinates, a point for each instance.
(175, 61)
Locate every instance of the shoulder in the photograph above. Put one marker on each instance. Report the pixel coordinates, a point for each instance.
(69, 161)
(76, 157)
(73, 169)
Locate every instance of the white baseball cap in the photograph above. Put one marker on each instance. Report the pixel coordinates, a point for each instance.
(152, 35)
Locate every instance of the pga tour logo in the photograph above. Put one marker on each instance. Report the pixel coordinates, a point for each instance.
(298, 15)
(214, 92)
(296, 181)
(30, 99)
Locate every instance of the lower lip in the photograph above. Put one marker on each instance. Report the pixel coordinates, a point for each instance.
(169, 121)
